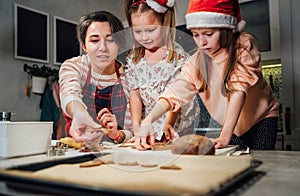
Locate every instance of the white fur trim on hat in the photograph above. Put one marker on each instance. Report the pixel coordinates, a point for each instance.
(156, 6)
(209, 20)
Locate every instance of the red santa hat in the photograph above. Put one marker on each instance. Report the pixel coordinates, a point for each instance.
(214, 13)
(160, 6)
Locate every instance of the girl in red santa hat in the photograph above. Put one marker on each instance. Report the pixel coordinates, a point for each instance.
(226, 72)
(152, 63)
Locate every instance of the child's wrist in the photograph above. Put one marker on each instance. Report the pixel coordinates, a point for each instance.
(147, 120)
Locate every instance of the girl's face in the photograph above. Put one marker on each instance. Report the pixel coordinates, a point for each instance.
(147, 30)
(100, 47)
(207, 39)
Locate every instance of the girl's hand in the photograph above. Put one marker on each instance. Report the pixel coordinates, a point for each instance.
(170, 133)
(131, 140)
(82, 128)
(221, 142)
(108, 120)
(134, 130)
(145, 137)
(141, 143)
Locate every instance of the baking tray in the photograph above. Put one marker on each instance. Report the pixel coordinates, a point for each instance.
(47, 186)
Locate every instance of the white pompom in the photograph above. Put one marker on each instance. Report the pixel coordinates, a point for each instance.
(241, 26)
(171, 3)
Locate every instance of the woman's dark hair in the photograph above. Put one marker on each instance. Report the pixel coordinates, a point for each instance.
(98, 16)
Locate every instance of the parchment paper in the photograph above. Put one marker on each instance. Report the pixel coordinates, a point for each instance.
(198, 174)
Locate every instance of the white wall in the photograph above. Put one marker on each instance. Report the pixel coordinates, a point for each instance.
(181, 8)
(12, 77)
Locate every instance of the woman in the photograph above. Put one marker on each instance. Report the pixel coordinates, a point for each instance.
(91, 83)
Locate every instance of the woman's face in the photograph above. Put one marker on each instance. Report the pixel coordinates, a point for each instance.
(101, 47)
(207, 39)
(147, 30)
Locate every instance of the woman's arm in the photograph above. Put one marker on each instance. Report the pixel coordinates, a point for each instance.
(234, 108)
(82, 122)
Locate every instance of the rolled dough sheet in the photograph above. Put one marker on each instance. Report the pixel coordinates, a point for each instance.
(198, 174)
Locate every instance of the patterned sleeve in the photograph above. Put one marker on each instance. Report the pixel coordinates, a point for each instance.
(72, 76)
(247, 71)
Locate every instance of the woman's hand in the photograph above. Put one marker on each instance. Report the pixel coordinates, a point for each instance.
(108, 120)
(83, 126)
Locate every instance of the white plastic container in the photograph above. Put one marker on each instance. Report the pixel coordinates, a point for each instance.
(38, 84)
(24, 138)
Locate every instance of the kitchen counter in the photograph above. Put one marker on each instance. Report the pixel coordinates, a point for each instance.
(279, 174)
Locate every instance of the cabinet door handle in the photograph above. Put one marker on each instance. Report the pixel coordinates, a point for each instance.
(287, 119)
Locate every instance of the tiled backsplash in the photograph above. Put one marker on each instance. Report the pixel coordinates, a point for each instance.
(272, 73)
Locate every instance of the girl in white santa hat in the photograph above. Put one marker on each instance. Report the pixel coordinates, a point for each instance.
(226, 72)
(151, 66)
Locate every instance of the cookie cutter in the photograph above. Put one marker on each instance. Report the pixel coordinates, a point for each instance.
(58, 150)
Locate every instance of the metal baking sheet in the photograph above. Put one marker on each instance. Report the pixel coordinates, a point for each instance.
(64, 188)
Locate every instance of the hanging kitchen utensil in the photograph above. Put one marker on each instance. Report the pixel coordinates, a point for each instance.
(27, 87)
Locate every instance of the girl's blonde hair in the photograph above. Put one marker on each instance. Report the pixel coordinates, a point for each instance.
(167, 20)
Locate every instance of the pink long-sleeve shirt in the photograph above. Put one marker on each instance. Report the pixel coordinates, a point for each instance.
(246, 76)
